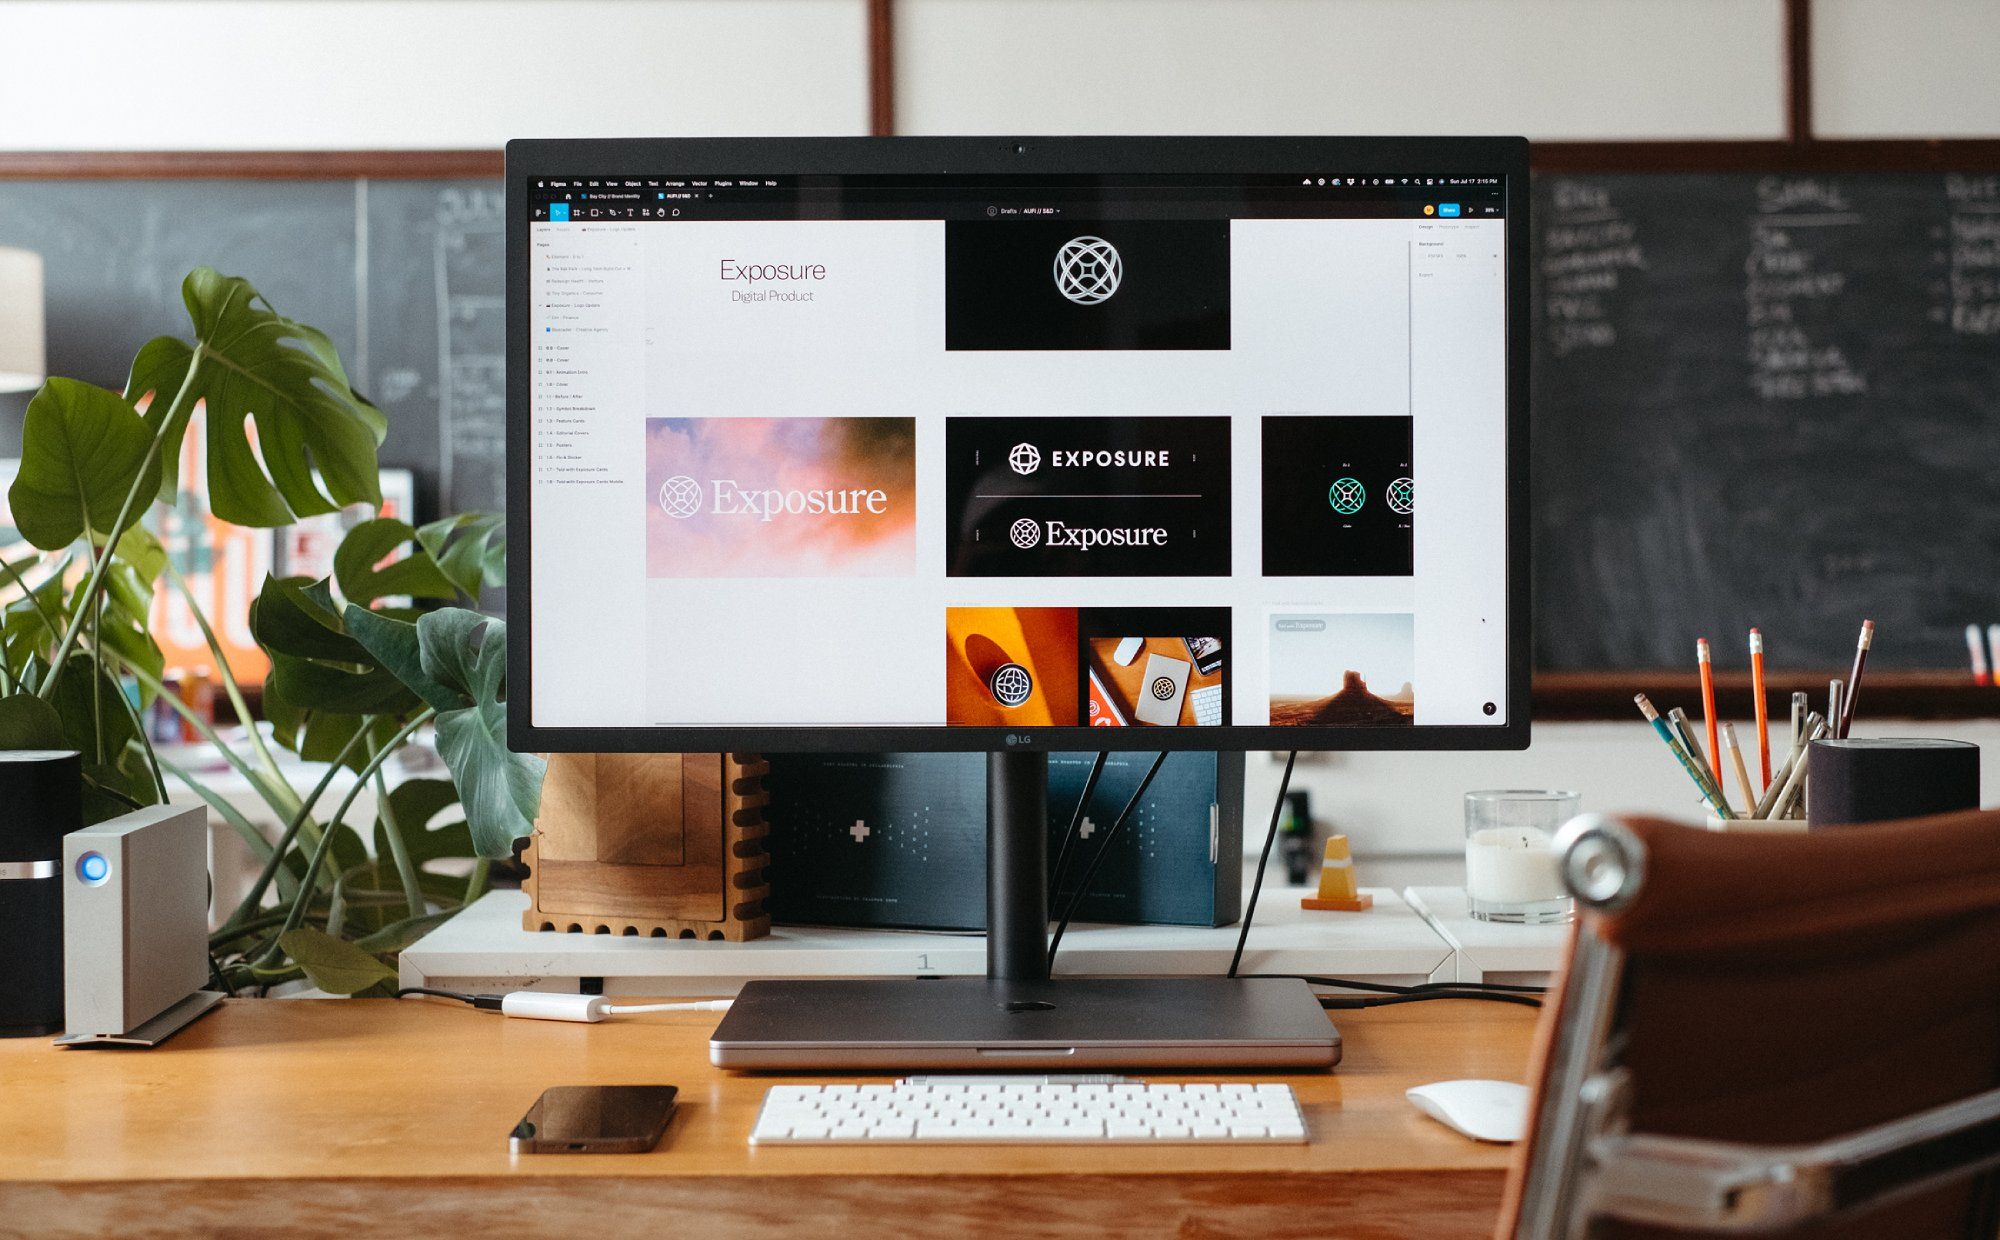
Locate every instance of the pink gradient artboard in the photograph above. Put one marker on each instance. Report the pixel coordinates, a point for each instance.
(780, 497)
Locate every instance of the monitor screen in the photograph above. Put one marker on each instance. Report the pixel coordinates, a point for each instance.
(914, 447)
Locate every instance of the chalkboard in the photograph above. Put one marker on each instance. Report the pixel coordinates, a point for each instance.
(1765, 400)
(1768, 400)
(405, 276)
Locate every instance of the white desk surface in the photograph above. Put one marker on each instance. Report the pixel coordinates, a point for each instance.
(486, 948)
(1489, 951)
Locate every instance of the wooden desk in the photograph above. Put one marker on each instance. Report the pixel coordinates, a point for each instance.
(372, 1117)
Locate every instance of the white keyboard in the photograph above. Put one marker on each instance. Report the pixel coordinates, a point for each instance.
(1000, 1112)
(1207, 706)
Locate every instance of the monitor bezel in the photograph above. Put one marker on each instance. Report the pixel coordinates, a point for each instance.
(532, 157)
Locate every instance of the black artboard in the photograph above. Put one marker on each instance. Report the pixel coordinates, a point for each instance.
(1765, 400)
(406, 277)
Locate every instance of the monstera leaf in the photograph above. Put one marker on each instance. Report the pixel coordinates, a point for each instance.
(471, 549)
(252, 364)
(82, 450)
(456, 660)
(363, 577)
(324, 685)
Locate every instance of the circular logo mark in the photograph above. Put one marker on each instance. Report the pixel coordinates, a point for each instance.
(680, 496)
(1346, 495)
(1163, 688)
(1402, 496)
(1026, 458)
(1011, 684)
(1026, 533)
(1088, 270)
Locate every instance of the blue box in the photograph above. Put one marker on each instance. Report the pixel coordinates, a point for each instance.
(559, 213)
(898, 840)
(1448, 210)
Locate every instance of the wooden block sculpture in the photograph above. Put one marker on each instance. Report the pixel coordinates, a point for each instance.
(1338, 890)
(663, 845)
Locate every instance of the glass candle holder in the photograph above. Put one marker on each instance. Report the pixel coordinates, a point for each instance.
(1510, 861)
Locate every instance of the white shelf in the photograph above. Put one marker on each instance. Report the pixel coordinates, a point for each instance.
(1489, 951)
(485, 948)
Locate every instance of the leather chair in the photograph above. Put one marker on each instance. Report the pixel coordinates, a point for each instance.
(1791, 1034)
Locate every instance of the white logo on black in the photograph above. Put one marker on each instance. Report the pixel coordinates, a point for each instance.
(1088, 270)
(680, 496)
(1025, 533)
(1025, 458)
(1011, 684)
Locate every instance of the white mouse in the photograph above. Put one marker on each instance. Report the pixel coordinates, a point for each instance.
(1482, 1110)
(1128, 650)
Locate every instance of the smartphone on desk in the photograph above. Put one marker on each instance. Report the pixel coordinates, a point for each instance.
(595, 1119)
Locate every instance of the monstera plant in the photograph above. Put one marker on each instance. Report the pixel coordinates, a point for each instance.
(361, 663)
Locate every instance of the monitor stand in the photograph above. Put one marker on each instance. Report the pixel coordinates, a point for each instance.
(1017, 1016)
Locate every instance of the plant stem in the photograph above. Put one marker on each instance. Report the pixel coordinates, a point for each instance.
(333, 824)
(475, 886)
(399, 848)
(223, 669)
(256, 895)
(246, 829)
(93, 587)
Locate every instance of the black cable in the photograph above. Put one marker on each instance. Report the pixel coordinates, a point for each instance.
(1352, 1002)
(1388, 988)
(1075, 820)
(489, 1003)
(1263, 858)
(1097, 858)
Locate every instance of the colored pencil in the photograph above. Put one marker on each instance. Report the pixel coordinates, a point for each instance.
(1846, 720)
(1706, 663)
(1736, 760)
(1673, 746)
(1763, 707)
(1980, 674)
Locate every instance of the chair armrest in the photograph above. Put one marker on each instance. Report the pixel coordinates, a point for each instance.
(1728, 1187)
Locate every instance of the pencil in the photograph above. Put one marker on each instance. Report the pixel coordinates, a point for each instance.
(1980, 675)
(1736, 760)
(1793, 755)
(1846, 720)
(1763, 708)
(1691, 743)
(1680, 755)
(1707, 665)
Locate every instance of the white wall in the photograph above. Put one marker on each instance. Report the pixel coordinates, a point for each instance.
(361, 74)
(1546, 68)
(1906, 68)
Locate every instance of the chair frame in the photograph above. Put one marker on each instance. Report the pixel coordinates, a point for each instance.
(1588, 1166)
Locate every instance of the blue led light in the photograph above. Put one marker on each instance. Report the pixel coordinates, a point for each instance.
(93, 867)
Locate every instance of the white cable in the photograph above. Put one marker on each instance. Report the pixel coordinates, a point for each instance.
(699, 1005)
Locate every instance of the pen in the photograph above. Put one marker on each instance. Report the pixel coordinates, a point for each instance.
(1993, 640)
(1763, 708)
(1796, 781)
(1798, 716)
(1684, 729)
(1707, 665)
(1680, 754)
(1846, 719)
(1736, 760)
(1980, 675)
(1836, 696)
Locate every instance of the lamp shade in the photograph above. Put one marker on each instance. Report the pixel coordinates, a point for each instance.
(23, 360)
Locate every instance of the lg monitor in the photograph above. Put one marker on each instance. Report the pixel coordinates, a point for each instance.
(1017, 446)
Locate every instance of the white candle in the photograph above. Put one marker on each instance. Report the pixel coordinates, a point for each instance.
(1512, 865)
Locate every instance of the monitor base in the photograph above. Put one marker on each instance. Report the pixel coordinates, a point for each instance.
(1074, 1024)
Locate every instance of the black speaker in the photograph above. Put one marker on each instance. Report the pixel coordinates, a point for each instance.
(41, 800)
(1875, 780)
